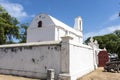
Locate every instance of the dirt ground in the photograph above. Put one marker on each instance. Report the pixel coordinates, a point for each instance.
(99, 74)
(95, 75)
(10, 77)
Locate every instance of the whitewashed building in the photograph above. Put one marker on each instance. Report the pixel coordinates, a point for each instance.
(46, 28)
(53, 45)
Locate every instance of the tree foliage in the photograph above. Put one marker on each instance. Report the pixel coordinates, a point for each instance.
(23, 32)
(9, 29)
(110, 41)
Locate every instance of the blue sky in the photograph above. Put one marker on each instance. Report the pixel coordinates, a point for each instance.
(99, 16)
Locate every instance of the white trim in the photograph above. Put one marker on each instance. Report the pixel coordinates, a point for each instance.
(31, 44)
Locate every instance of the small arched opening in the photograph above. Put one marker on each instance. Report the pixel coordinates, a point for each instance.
(39, 24)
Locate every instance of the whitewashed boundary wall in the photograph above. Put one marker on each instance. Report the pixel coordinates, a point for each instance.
(31, 59)
(68, 59)
(79, 60)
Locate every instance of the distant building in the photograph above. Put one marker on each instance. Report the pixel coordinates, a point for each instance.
(46, 28)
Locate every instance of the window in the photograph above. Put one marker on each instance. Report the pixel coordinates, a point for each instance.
(40, 24)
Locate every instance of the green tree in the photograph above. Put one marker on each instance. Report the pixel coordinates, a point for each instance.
(117, 32)
(110, 41)
(23, 32)
(2, 36)
(8, 27)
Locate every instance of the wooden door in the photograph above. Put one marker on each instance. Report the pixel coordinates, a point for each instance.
(102, 58)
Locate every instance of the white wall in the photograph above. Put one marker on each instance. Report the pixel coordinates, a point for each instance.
(41, 34)
(69, 59)
(75, 37)
(44, 33)
(30, 60)
(59, 33)
(77, 59)
(81, 60)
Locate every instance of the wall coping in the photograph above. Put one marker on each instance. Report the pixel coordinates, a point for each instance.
(32, 44)
(81, 45)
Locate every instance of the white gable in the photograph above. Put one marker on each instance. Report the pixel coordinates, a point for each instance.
(52, 29)
(46, 21)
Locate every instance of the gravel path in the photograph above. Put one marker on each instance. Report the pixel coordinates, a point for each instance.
(100, 75)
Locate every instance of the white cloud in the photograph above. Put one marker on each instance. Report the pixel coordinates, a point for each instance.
(33, 15)
(114, 17)
(14, 9)
(104, 31)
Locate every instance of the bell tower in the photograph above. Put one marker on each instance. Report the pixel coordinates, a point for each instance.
(78, 24)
